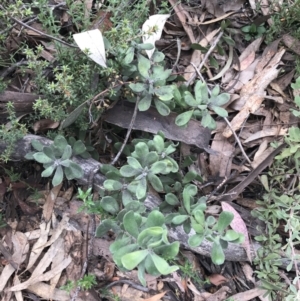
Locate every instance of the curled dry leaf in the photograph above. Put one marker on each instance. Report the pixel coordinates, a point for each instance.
(44, 124)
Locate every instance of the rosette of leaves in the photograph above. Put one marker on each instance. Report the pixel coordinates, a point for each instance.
(142, 168)
(116, 190)
(148, 159)
(191, 215)
(142, 243)
(201, 103)
(89, 149)
(150, 82)
(57, 158)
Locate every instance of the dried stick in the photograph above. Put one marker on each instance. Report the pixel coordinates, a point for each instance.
(128, 132)
(208, 53)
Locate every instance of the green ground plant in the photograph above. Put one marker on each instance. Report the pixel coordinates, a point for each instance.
(11, 132)
(85, 283)
(141, 237)
(279, 207)
(253, 31)
(58, 157)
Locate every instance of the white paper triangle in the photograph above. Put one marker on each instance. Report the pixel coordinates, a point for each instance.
(93, 41)
(158, 21)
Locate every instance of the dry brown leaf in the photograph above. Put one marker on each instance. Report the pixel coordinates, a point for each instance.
(43, 290)
(48, 207)
(217, 279)
(262, 156)
(221, 294)
(18, 295)
(2, 190)
(68, 193)
(182, 16)
(248, 55)
(214, 20)
(73, 246)
(220, 163)
(239, 226)
(129, 295)
(44, 277)
(253, 93)
(38, 247)
(178, 280)
(60, 255)
(47, 258)
(269, 52)
(272, 131)
(292, 43)
(247, 61)
(198, 56)
(243, 78)
(192, 287)
(249, 295)
(44, 124)
(58, 230)
(284, 81)
(217, 8)
(248, 271)
(21, 247)
(156, 297)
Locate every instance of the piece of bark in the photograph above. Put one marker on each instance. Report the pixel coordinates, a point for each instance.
(22, 101)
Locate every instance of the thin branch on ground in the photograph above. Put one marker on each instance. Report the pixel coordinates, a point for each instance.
(129, 282)
(208, 53)
(128, 132)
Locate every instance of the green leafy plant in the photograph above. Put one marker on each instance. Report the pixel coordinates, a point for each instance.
(278, 207)
(89, 205)
(150, 79)
(142, 242)
(253, 31)
(141, 237)
(87, 282)
(11, 132)
(191, 215)
(58, 157)
(198, 106)
(69, 286)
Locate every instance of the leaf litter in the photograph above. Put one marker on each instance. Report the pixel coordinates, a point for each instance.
(53, 252)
